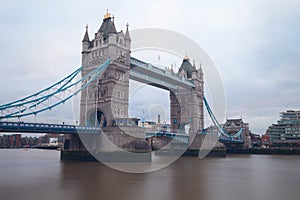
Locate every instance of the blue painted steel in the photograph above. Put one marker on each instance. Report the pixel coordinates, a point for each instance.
(231, 141)
(85, 81)
(19, 127)
(70, 77)
(183, 138)
(218, 125)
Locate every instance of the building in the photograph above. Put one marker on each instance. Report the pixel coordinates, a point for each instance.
(256, 140)
(17, 141)
(13, 140)
(151, 125)
(286, 132)
(4, 141)
(233, 126)
(265, 140)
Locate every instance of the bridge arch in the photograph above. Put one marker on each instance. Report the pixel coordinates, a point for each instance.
(96, 118)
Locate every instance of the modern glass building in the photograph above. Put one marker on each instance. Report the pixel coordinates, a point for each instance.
(286, 132)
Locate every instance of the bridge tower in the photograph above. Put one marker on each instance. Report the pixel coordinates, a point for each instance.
(107, 97)
(187, 104)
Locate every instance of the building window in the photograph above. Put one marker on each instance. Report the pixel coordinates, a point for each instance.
(122, 111)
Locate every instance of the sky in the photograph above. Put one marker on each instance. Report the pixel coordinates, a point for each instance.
(255, 46)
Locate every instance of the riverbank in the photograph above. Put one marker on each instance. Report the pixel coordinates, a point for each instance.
(264, 151)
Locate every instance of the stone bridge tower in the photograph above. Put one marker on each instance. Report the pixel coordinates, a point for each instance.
(107, 97)
(187, 103)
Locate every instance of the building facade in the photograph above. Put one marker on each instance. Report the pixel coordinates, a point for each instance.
(286, 132)
(233, 126)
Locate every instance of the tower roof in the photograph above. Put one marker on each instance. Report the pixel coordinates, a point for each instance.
(107, 26)
(86, 35)
(187, 67)
(201, 71)
(127, 36)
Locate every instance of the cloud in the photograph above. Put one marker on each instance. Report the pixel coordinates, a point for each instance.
(255, 45)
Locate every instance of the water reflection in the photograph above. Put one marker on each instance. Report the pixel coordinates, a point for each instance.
(40, 175)
(100, 182)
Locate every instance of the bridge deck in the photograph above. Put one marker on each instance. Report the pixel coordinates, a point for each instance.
(152, 75)
(231, 141)
(20, 127)
(177, 136)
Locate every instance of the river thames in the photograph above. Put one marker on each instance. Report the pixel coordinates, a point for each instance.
(39, 174)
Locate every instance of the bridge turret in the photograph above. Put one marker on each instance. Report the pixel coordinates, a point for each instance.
(194, 71)
(187, 105)
(186, 67)
(127, 37)
(85, 43)
(107, 97)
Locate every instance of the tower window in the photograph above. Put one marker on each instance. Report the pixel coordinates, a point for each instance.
(122, 111)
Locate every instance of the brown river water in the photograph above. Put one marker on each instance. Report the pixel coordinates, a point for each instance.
(39, 174)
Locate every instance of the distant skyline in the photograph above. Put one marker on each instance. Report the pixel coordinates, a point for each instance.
(254, 44)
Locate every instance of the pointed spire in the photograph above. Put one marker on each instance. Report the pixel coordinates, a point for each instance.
(186, 58)
(86, 35)
(186, 66)
(200, 70)
(127, 36)
(194, 66)
(107, 15)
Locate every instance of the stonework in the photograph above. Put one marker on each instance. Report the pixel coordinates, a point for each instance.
(106, 98)
(187, 103)
(232, 126)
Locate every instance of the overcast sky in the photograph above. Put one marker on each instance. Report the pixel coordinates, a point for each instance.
(254, 44)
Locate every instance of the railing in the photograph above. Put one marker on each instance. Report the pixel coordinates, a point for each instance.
(45, 128)
(177, 136)
(152, 79)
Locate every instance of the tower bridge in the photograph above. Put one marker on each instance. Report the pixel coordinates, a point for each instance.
(107, 97)
(107, 67)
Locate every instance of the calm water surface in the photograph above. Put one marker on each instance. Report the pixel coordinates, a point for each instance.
(39, 174)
